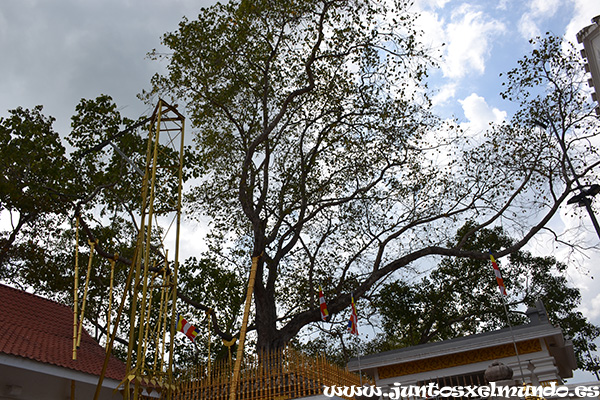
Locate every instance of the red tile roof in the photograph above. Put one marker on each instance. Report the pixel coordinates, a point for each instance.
(42, 330)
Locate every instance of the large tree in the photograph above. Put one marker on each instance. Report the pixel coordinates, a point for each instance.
(318, 155)
(316, 152)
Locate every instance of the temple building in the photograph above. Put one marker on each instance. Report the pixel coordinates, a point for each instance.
(543, 356)
(36, 352)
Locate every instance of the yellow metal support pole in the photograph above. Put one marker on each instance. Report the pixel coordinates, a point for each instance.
(132, 315)
(161, 313)
(140, 348)
(110, 297)
(147, 319)
(165, 326)
(138, 262)
(172, 330)
(176, 261)
(240, 350)
(75, 286)
(85, 291)
(115, 327)
(209, 361)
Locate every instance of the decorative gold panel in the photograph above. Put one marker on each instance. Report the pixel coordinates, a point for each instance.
(454, 360)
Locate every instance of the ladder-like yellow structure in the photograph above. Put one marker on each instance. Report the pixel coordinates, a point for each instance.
(152, 274)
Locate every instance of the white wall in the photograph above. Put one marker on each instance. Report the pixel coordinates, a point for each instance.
(46, 382)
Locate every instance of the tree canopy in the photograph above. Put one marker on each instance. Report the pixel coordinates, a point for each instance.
(318, 153)
(460, 297)
(32, 164)
(315, 149)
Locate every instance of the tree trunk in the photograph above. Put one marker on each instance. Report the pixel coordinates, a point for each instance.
(269, 338)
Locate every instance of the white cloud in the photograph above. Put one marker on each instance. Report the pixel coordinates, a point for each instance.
(444, 94)
(469, 38)
(544, 8)
(538, 11)
(479, 113)
(430, 4)
(502, 5)
(432, 27)
(592, 309)
(583, 12)
(527, 26)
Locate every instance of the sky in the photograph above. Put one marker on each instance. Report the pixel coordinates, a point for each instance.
(56, 52)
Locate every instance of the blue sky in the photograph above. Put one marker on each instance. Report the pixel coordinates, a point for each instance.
(56, 52)
(483, 39)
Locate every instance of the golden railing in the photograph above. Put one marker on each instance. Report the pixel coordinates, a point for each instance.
(285, 374)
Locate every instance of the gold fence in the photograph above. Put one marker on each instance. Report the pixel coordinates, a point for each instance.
(284, 374)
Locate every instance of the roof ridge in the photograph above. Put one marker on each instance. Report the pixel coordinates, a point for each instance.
(40, 329)
(23, 292)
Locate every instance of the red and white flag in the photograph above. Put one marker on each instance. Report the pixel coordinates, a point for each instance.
(323, 305)
(190, 330)
(353, 321)
(498, 276)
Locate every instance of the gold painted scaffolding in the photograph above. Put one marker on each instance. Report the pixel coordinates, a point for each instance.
(152, 275)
